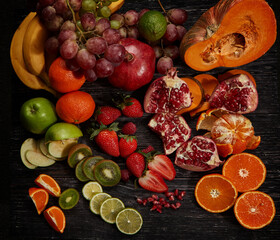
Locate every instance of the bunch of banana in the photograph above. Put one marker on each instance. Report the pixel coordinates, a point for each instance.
(28, 55)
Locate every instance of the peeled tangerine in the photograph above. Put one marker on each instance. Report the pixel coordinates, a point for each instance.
(230, 34)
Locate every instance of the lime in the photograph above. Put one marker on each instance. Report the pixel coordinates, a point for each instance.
(110, 208)
(129, 221)
(69, 198)
(97, 200)
(152, 25)
(90, 188)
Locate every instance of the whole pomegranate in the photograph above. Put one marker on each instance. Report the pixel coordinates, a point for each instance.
(172, 128)
(138, 67)
(236, 94)
(198, 154)
(167, 94)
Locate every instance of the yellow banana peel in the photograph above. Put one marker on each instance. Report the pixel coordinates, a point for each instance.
(17, 59)
(115, 6)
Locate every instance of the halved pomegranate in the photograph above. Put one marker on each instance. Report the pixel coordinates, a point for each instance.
(236, 94)
(198, 154)
(167, 94)
(172, 128)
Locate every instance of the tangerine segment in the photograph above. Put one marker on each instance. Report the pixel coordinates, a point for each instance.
(47, 182)
(56, 218)
(215, 193)
(254, 210)
(246, 171)
(40, 198)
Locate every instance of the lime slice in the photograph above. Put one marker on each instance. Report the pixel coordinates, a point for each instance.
(90, 188)
(129, 221)
(97, 200)
(110, 208)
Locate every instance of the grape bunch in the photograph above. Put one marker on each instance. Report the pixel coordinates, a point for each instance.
(83, 35)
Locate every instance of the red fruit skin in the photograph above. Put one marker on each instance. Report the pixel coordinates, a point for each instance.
(134, 110)
(108, 141)
(153, 182)
(127, 146)
(129, 128)
(134, 73)
(135, 163)
(163, 166)
(107, 115)
(125, 175)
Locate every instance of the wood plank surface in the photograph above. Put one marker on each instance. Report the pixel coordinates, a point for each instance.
(188, 222)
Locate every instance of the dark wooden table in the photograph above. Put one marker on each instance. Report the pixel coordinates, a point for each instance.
(190, 221)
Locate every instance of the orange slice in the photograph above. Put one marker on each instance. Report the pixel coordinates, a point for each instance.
(215, 193)
(254, 210)
(47, 182)
(246, 171)
(40, 198)
(56, 218)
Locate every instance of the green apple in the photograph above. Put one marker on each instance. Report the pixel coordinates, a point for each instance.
(37, 115)
(62, 131)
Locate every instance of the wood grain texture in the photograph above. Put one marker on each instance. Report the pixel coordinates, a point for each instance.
(190, 221)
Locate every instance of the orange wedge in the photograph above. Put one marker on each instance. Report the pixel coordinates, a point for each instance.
(56, 218)
(47, 182)
(40, 198)
(254, 209)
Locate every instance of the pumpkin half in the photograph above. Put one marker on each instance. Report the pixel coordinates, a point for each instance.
(230, 34)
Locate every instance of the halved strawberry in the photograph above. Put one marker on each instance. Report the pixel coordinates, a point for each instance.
(162, 165)
(153, 182)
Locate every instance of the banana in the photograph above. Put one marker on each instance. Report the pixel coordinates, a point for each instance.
(17, 59)
(115, 6)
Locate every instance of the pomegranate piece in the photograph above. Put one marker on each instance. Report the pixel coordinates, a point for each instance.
(172, 128)
(167, 94)
(198, 154)
(236, 94)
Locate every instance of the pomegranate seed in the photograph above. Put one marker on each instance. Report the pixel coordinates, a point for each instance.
(179, 197)
(145, 202)
(161, 200)
(139, 200)
(159, 210)
(168, 194)
(176, 192)
(171, 198)
(155, 197)
(178, 204)
(167, 205)
(150, 199)
(156, 202)
(173, 206)
(154, 207)
(183, 193)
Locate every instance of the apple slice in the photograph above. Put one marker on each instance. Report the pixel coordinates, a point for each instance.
(43, 148)
(38, 159)
(61, 148)
(30, 144)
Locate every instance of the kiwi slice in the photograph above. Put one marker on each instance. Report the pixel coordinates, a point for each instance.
(107, 173)
(79, 171)
(77, 153)
(89, 164)
(69, 198)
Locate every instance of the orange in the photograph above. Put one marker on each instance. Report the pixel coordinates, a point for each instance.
(48, 183)
(246, 171)
(40, 198)
(207, 119)
(254, 210)
(64, 80)
(215, 193)
(75, 107)
(233, 133)
(56, 218)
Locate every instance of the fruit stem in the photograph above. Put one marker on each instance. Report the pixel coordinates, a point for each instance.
(75, 21)
(128, 56)
(161, 6)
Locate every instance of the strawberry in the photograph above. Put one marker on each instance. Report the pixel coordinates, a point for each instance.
(136, 164)
(148, 149)
(162, 165)
(129, 128)
(127, 145)
(153, 182)
(107, 114)
(129, 106)
(107, 139)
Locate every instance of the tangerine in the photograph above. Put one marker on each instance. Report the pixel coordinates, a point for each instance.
(254, 209)
(75, 107)
(48, 183)
(246, 171)
(56, 218)
(63, 79)
(215, 193)
(40, 198)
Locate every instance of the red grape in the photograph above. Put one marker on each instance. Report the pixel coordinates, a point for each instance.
(69, 49)
(177, 16)
(181, 32)
(123, 32)
(90, 75)
(172, 51)
(163, 64)
(111, 36)
(48, 13)
(131, 17)
(171, 33)
(66, 34)
(142, 12)
(68, 25)
(158, 51)
(85, 59)
(103, 68)
(52, 45)
(132, 32)
(102, 25)
(118, 17)
(88, 21)
(115, 53)
(96, 45)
